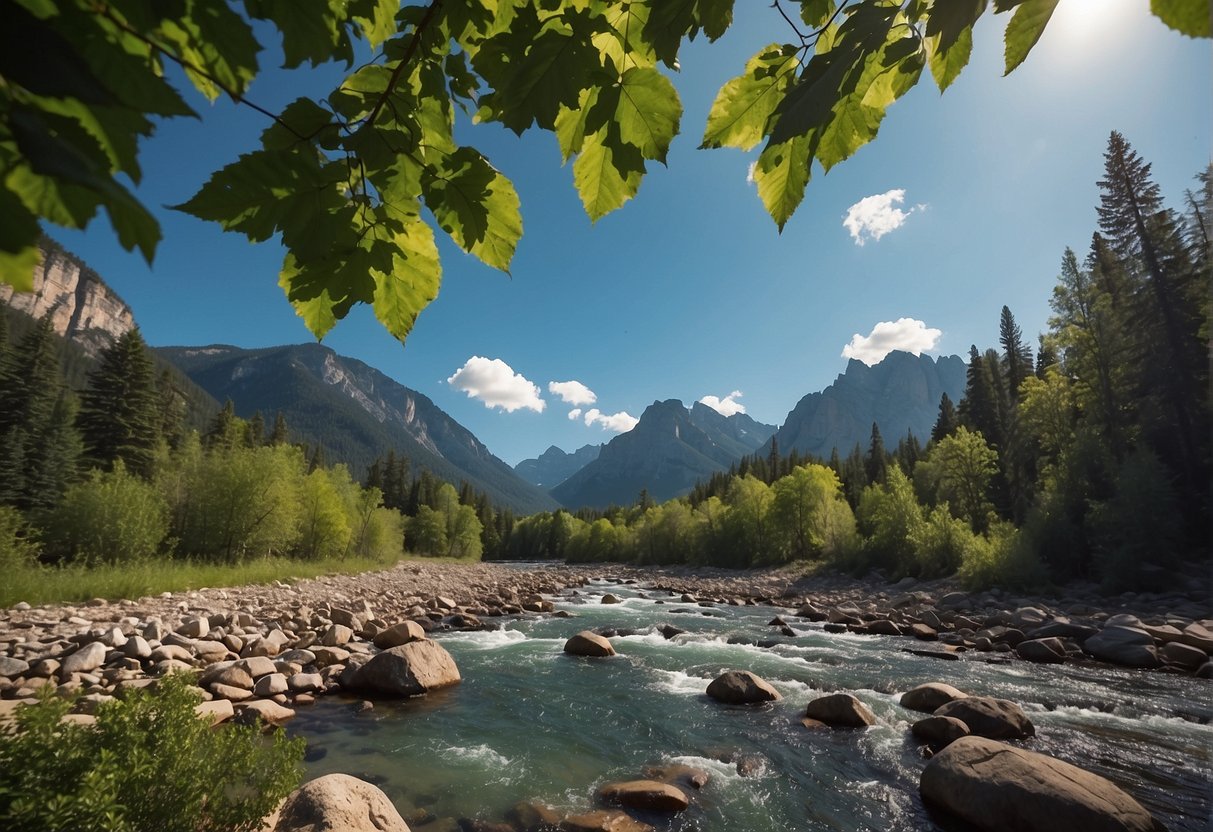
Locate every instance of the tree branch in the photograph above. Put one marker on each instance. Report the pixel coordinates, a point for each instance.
(409, 51)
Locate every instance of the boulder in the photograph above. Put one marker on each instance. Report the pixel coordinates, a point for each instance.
(338, 803)
(678, 773)
(12, 668)
(586, 643)
(408, 670)
(87, 658)
(257, 666)
(336, 635)
(402, 633)
(610, 598)
(1118, 644)
(939, 730)
(215, 711)
(529, 816)
(996, 719)
(268, 711)
(603, 820)
(928, 697)
(1042, 650)
(741, 687)
(1184, 655)
(194, 628)
(649, 795)
(840, 710)
(271, 685)
(997, 787)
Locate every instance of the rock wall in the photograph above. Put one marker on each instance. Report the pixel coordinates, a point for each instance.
(82, 308)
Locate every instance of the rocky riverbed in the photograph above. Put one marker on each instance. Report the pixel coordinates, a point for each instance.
(266, 651)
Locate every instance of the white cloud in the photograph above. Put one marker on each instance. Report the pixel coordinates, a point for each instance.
(620, 422)
(874, 216)
(497, 385)
(726, 406)
(904, 334)
(749, 174)
(572, 392)
(575, 414)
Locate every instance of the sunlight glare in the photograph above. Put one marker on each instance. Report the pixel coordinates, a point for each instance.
(1081, 24)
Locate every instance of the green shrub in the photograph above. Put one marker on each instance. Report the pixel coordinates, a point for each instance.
(148, 765)
(943, 543)
(18, 543)
(111, 516)
(1004, 558)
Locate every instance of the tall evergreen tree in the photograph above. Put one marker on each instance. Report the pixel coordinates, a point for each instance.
(947, 421)
(120, 411)
(876, 463)
(223, 429)
(1046, 357)
(172, 409)
(1016, 354)
(280, 435)
(254, 431)
(979, 409)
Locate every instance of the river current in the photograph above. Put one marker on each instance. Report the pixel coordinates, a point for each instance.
(530, 723)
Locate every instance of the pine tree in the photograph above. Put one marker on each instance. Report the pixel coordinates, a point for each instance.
(979, 409)
(317, 460)
(223, 427)
(909, 451)
(280, 435)
(254, 431)
(120, 411)
(1171, 301)
(773, 472)
(947, 421)
(1016, 355)
(171, 407)
(1046, 357)
(52, 466)
(877, 461)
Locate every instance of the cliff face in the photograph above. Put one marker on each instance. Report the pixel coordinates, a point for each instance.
(554, 466)
(900, 394)
(82, 308)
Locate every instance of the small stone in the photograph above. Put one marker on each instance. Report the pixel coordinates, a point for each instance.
(194, 628)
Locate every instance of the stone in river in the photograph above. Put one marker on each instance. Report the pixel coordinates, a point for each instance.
(928, 697)
(939, 730)
(740, 687)
(1127, 646)
(649, 795)
(338, 803)
(840, 710)
(589, 644)
(996, 719)
(408, 670)
(1000, 788)
(1042, 650)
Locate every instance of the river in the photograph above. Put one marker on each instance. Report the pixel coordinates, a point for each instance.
(530, 723)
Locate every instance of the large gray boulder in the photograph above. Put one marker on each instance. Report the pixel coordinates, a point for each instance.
(408, 670)
(338, 803)
(1000, 788)
(402, 633)
(997, 719)
(1042, 650)
(1129, 646)
(88, 658)
(741, 687)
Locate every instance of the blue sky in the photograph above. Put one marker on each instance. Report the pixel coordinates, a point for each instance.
(689, 290)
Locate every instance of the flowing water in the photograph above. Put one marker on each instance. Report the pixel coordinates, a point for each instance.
(530, 723)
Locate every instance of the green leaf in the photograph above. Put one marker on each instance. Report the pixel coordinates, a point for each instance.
(213, 37)
(744, 105)
(532, 77)
(18, 243)
(949, 37)
(781, 174)
(413, 281)
(35, 56)
(815, 13)
(476, 205)
(1025, 29)
(714, 17)
(302, 120)
(312, 30)
(649, 112)
(607, 172)
(625, 44)
(1188, 17)
(571, 124)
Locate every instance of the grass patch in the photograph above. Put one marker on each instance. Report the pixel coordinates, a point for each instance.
(66, 584)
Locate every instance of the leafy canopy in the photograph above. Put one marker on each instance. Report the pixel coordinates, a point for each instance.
(342, 179)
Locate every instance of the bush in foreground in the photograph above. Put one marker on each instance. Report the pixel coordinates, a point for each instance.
(148, 765)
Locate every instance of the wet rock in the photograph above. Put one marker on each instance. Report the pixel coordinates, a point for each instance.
(695, 778)
(610, 598)
(338, 803)
(529, 816)
(1122, 645)
(1184, 655)
(401, 633)
(1042, 650)
(924, 632)
(649, 795)
(1063, 629)
(928, 697)
(1000, 788)
(985, 716)
(840, 710)
(740, 687)
(939, 731)
(408, 670)
(604, 820)
(589, 644)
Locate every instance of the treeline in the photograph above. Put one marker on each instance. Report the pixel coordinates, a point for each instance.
(112, 474)
(1088, 459)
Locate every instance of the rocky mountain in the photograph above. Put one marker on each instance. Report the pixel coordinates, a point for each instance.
(669, 450)
(901, 393)
(83, 309)
(554, 465)
(355, 412)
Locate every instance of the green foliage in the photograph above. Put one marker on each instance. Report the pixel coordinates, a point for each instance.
(1002, 559)
(343, 177)
(19, 547)
(942, 543)
(120, 415)
(890, 519)
(809, 516)
(148, 765)
(109, 517)
(963, 466)
(324, 528)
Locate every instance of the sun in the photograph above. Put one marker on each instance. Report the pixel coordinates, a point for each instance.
(1081, 23)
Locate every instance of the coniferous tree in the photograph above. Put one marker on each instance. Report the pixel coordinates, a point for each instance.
(171, 407)
(1046, 357)
(947, 421)
(120, 411)
(909, 451)
(52, 466)
(1016, 355)
(854, 475)
(223, 427)
(877, 461)
(773, 461)
(254, 431)
(280, 435)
